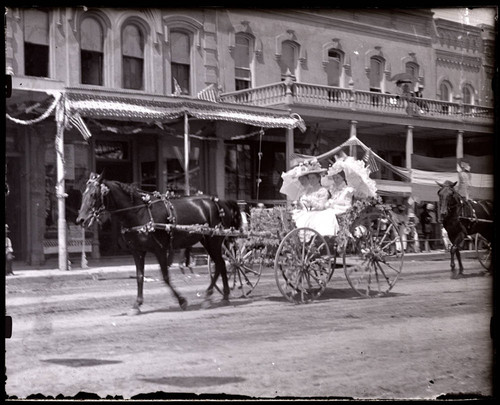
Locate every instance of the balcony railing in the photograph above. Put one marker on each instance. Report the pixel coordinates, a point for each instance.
(341, 98)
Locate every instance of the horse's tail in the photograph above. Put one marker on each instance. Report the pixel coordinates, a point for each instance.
(233, 214)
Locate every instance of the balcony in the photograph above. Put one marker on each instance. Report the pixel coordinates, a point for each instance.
(286, 93)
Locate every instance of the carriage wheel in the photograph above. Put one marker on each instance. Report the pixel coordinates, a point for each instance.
(483, 250)
(303, 265)
(244, 266)
(374, 258)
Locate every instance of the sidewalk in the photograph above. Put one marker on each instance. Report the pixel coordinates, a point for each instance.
(122, 265)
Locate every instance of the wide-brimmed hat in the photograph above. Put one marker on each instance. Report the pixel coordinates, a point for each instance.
(309, 167)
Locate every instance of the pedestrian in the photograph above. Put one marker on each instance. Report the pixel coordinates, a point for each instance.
(428, 220)
(401, 218)
(9, 253)
(413, 243)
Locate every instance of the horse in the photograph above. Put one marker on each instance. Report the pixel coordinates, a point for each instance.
(148, 224)
(461, 217)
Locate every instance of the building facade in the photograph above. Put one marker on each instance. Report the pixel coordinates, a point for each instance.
(335, 68)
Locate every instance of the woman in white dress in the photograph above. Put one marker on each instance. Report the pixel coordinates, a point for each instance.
(341, 193)
(313, 211)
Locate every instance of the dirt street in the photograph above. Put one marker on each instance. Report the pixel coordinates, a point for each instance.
(429, 337)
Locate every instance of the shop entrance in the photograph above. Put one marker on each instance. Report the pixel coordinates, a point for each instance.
(119, 169)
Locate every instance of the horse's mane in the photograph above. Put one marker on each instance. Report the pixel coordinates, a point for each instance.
(131, 189)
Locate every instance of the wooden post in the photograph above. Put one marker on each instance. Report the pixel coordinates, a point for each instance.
(60, 186)
(186, 154)
(460, 144)
(409, 145)
(353, 134)
(289, 148)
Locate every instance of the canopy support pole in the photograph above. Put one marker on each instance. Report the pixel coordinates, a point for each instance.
(353, 134)
(186, 154)
(409, 145)
(60, 189)
(460, 144)
(290, 147)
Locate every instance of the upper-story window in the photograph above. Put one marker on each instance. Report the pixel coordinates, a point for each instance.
(376, 74)
(36, 43)
(467, 94)
(412, 69)
(132, 57)
(242, 73)
(180, 53)
(289, 58)
(334, 68)
(445, 91)
(91, 52)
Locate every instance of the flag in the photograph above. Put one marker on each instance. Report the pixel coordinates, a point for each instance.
(177, 89)
(78, 123)
(209, 93)
(370, 161)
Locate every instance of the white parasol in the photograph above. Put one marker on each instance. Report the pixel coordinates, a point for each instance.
(357, 176)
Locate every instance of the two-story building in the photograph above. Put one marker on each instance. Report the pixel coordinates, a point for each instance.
(128, 72)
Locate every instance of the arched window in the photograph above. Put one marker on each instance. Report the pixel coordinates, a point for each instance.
(376, 74)
(445, 91)
(180, 53)
(36, 43)
(91, 52)
(334, 68)
(289, 57)
(467, 94)
(242, 58)
(132, 57)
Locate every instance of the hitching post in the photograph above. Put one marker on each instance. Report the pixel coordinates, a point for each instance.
(186, 154)
(60, 192)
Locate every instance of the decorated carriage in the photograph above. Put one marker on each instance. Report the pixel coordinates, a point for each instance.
(368, 246)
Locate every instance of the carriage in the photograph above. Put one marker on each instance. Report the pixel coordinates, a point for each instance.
(368, 244)
(368, 247)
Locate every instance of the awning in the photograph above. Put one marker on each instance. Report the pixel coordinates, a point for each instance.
(158, 108)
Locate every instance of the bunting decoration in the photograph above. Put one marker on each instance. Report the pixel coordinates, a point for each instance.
(210, 93)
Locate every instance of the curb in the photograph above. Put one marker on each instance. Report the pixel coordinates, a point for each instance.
(112, 269)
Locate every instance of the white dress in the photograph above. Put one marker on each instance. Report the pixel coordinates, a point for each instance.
(316, 214)
(341, 199)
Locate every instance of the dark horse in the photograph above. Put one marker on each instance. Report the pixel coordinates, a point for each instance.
(462, 217)
(141, 216)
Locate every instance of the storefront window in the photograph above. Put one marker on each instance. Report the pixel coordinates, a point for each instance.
(175, 168)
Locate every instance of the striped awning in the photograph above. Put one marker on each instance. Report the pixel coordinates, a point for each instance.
(158, 108)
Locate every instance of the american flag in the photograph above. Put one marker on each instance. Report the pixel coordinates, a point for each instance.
(177, 89)
(209, 93)
(371, 162)
(78, 123)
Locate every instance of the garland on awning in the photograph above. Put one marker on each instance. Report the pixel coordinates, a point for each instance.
(120, 107)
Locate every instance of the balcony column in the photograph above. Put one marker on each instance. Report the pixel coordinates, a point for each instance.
(460, 144)
(289, 147)
(352, 135)
(409, 145)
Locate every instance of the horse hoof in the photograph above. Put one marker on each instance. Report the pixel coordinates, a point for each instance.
(183, 303)
(134, 311)
(225, 302)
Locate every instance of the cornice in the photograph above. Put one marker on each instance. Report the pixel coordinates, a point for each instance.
(456, 59)
(350, 26)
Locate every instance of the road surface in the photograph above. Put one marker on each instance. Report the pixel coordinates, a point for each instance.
(430, 336)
